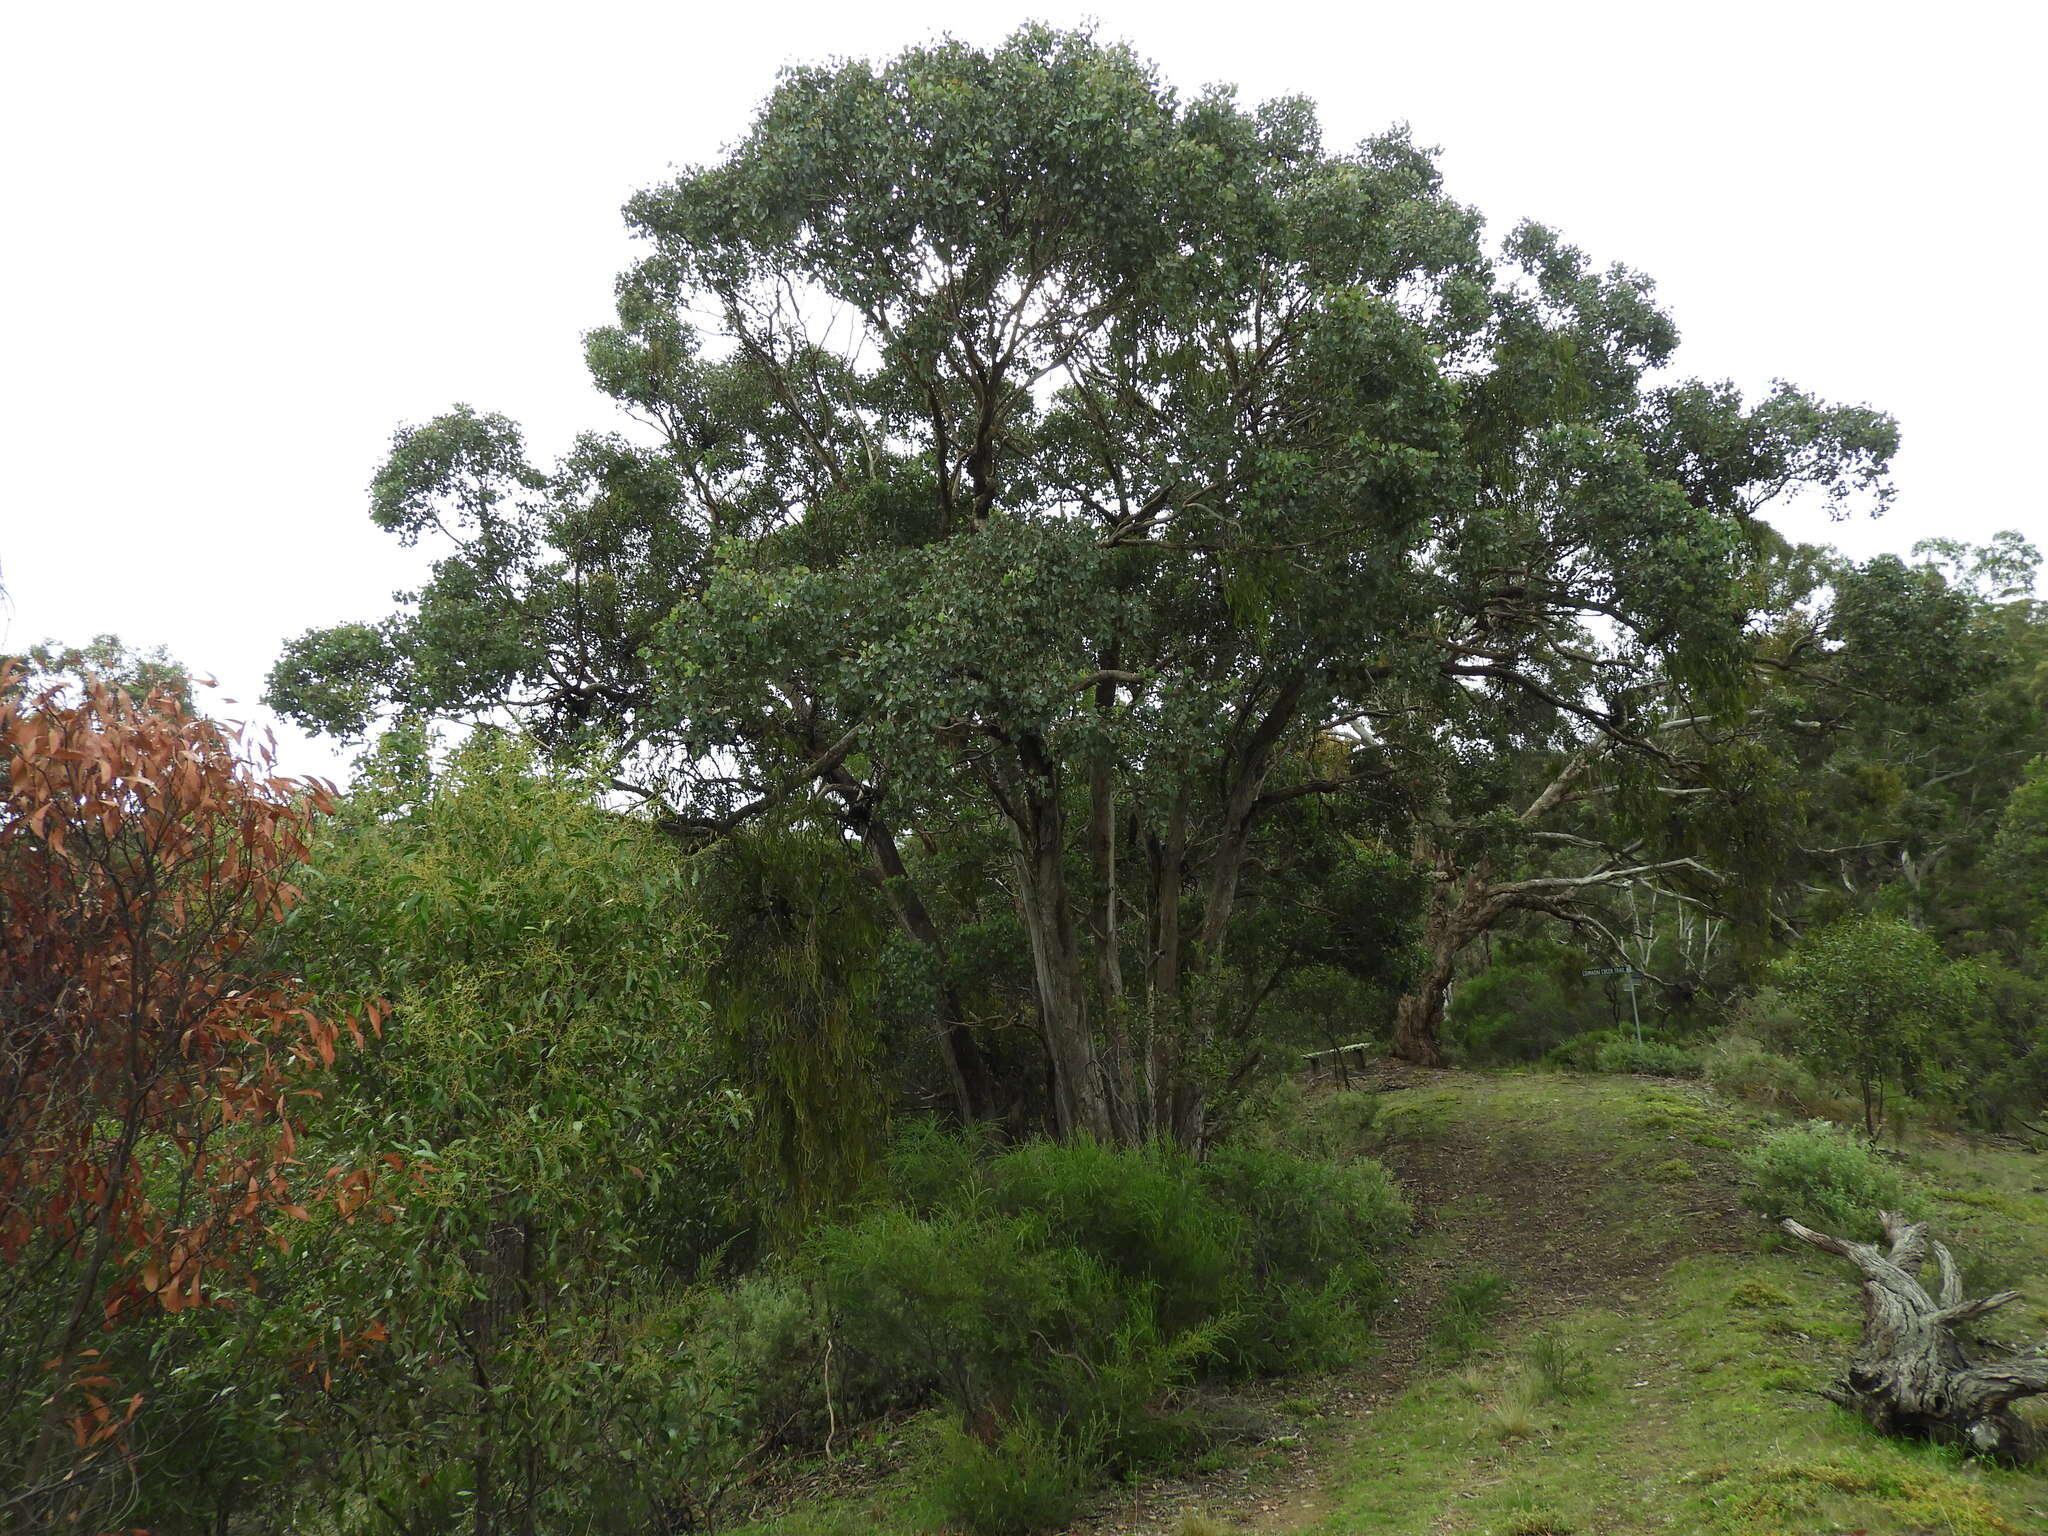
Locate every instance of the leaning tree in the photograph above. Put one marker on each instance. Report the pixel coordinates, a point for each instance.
(1021, 443)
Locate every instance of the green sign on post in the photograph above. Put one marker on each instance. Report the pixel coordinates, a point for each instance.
(1631, 973)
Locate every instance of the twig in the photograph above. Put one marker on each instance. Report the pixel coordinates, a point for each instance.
(831, 1415)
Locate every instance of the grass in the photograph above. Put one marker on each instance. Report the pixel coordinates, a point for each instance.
(1688, 1404)
(1682, 1399)
(1468, 1310)
(1695, 1414)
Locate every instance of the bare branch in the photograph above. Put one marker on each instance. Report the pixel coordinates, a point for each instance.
(1600, 877)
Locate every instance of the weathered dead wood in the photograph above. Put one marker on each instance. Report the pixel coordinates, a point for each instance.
(1911, 1375)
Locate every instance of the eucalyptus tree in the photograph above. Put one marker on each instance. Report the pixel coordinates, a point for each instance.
(1021, 441)
(1885, 717)
(1934, 711)
(1875, 993)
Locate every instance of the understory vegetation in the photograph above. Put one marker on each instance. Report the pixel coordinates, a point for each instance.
(823, 1005)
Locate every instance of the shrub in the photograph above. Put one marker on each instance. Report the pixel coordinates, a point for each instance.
(1650, 1057)
(2017, 1090)
(930, 1168)
(1877, 995)
(1580, 1053)
(1071, 1289)
(1556, 1370)
(1027, 1479)
(1333, 1128)
(1531, 998)
(1305, 1268)
(765, 1335)
(1827, 1178)
(157, 1066)
(1140, 1214)
(1469, 1306)
(1738, 1067)
(1767, 1019)
(977, 1307)
(1303, 1214)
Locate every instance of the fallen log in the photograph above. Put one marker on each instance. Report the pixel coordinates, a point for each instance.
(1911, 1375)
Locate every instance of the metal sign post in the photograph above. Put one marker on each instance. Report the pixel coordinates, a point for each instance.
(1629, 973)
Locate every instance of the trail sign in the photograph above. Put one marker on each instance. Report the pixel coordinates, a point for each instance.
(1630, 973)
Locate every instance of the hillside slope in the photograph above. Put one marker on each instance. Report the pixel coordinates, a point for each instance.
(1653, 1362)
(1590, 1334)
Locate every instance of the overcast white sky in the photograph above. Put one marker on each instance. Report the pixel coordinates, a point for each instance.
(243, 242)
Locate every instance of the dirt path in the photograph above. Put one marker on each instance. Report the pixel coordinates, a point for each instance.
(1531, 1196)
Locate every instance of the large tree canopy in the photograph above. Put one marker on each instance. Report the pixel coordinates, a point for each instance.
(1021, 443)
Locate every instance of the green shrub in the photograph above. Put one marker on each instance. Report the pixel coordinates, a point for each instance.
(1528, 1000)
(1580, 1053)
(1738, 1067)
(1305, 1268)
(1071, 1289)
(977, 1307)
(1823, 1176)
(1468, 1310)
(765, 1336)
(1650, 1057)
(1142, 1215)
(1767, 1020)
(930, 1167)
(1304, 1214)
(1557, 1372)
(1028, 1479)
(1333, 1128)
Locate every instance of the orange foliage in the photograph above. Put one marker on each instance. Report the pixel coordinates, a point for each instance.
(151, 1058)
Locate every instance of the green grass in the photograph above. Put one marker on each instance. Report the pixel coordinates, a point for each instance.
(1690, 1404)
(1685, 1403)
(1694, 1414)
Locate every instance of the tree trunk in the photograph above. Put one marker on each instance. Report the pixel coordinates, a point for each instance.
(1418, 1020)
(1222, 870)
(1104, 919)
(1911, 1376)
(1419, 1017)
(1079, 1102)
(967, 1069)
(1163, 969)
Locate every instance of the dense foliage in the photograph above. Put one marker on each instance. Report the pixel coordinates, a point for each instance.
(154, 1069)
(1048, 466)
(1096, 595)
(1058, 1296)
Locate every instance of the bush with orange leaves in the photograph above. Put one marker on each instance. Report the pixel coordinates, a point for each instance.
(152, 1061)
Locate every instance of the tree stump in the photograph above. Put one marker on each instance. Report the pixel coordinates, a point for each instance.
(1911, 1375)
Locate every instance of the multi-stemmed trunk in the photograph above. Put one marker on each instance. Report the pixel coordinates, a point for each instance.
(1104, 1085)
(1081, 1096)
(967, 1070)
